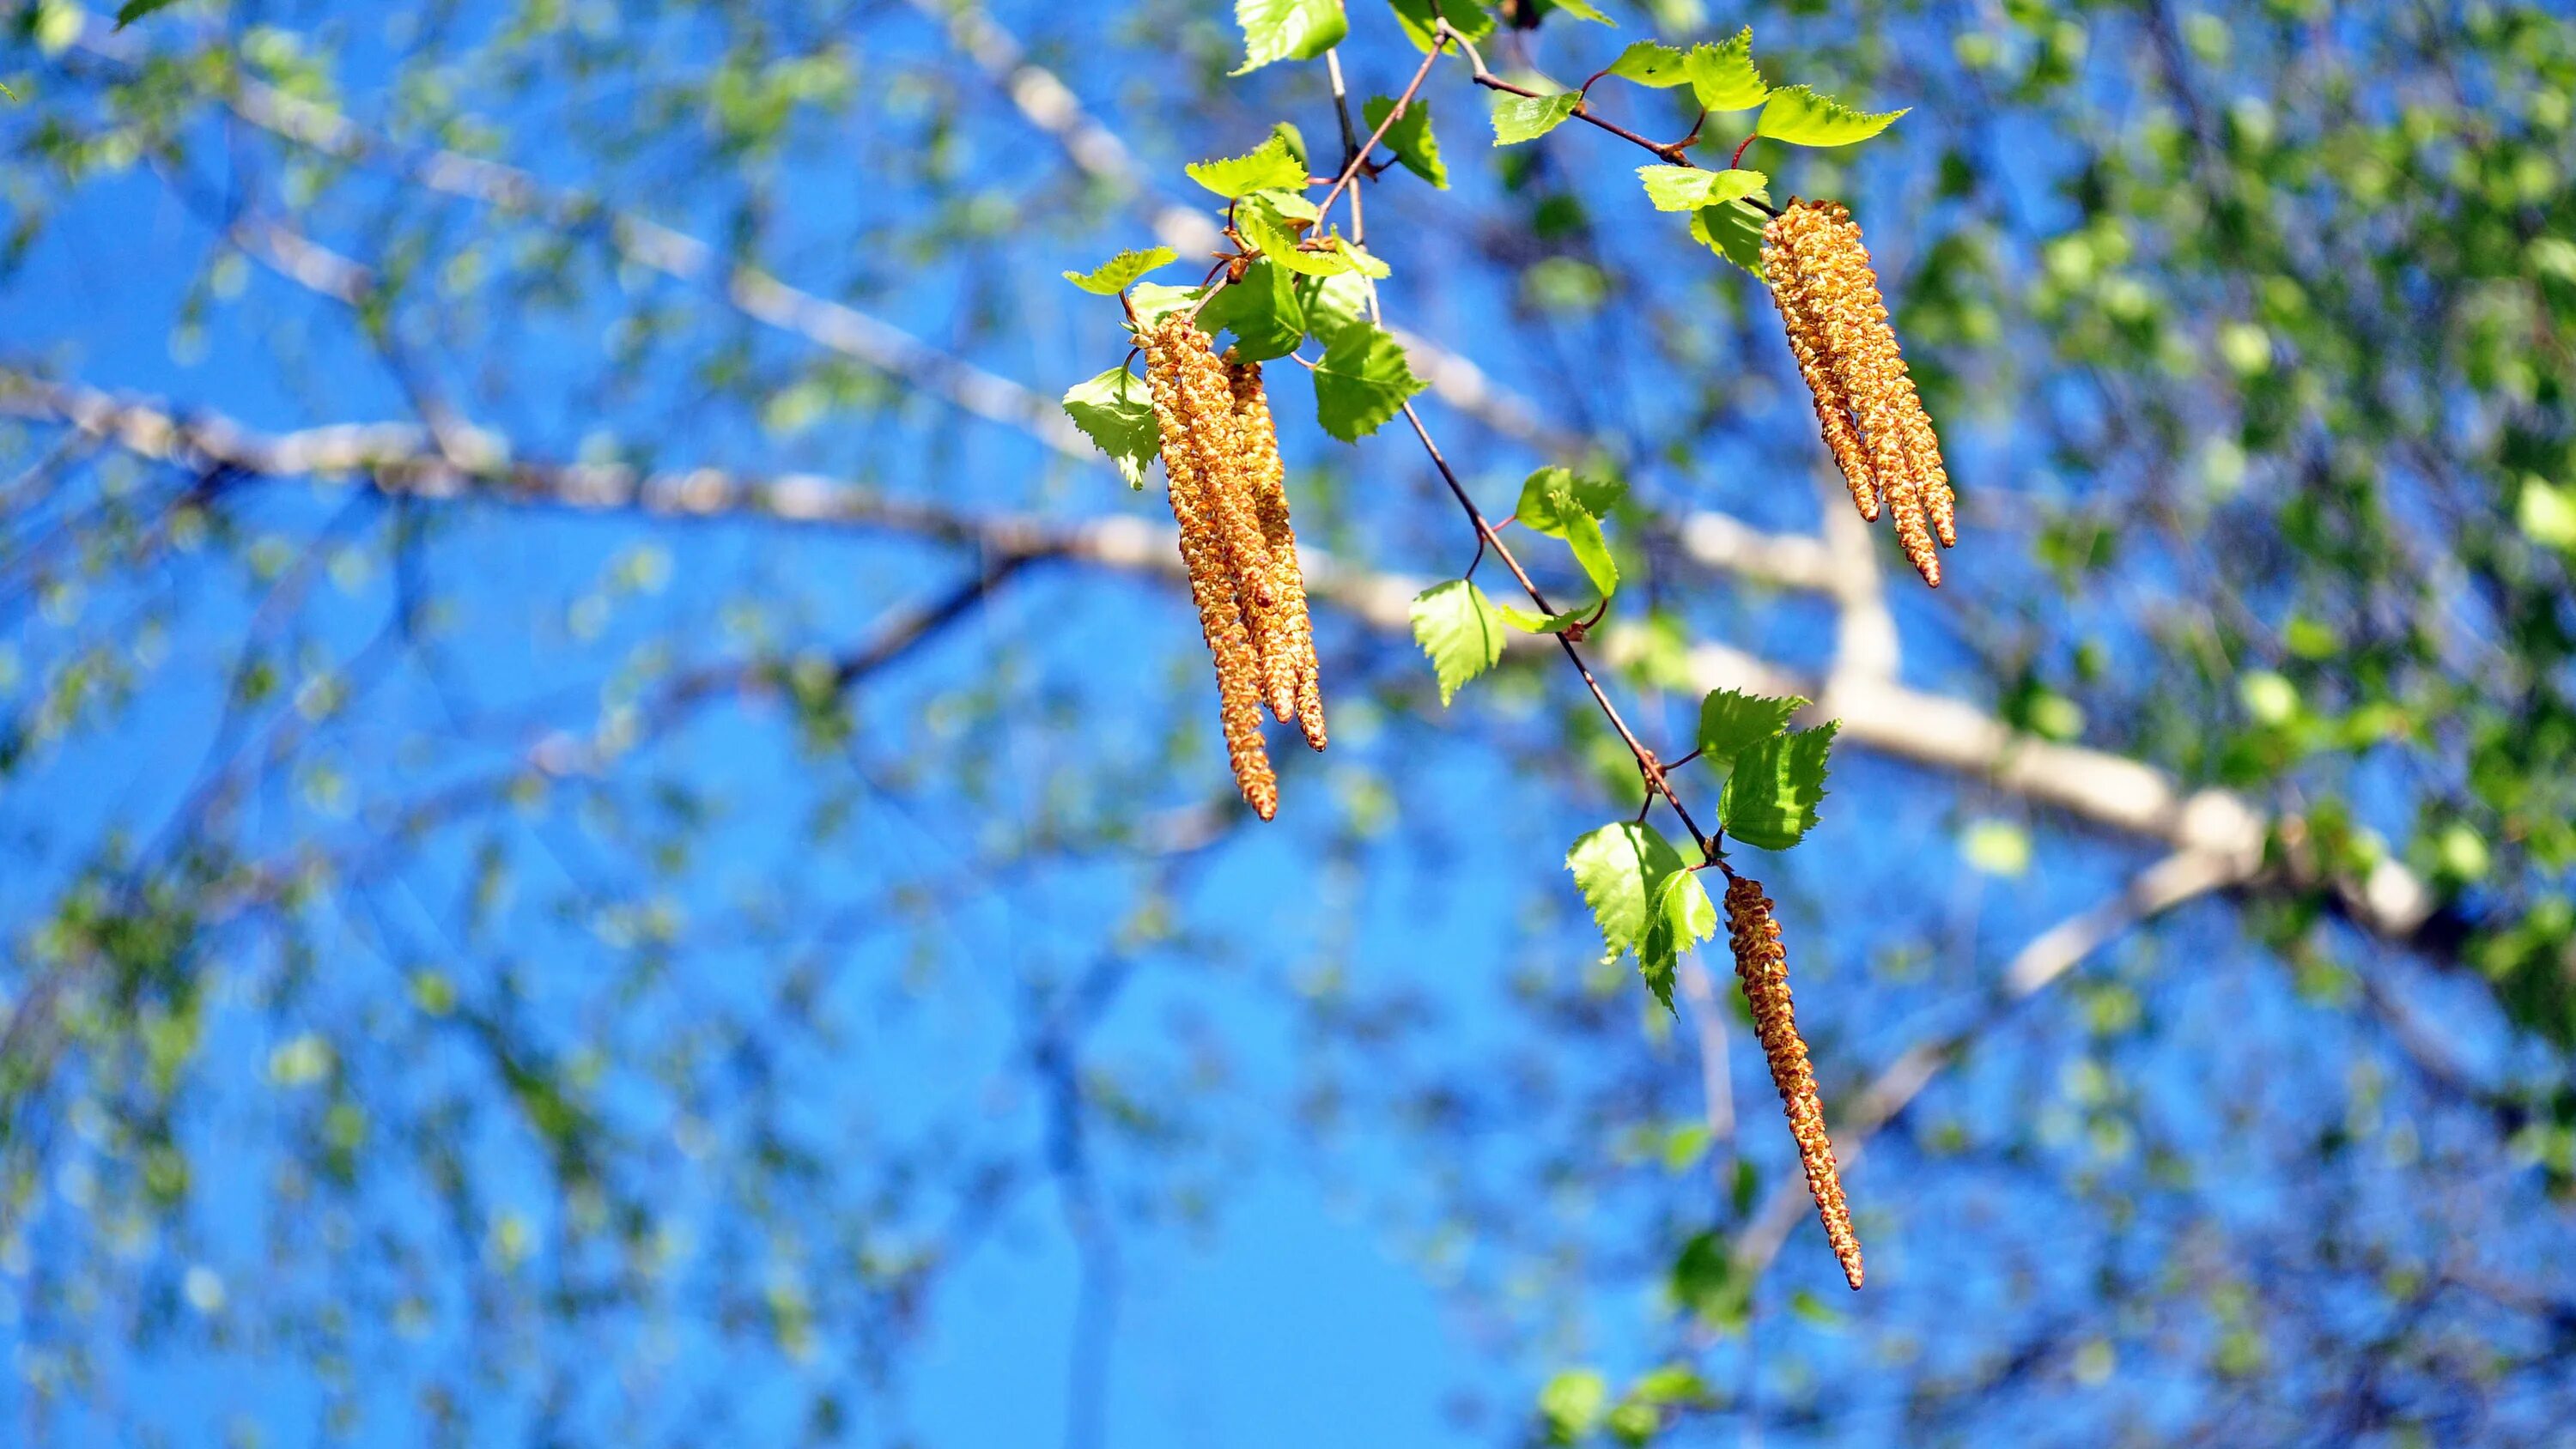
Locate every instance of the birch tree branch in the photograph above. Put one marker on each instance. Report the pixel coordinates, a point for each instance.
(1951, 736)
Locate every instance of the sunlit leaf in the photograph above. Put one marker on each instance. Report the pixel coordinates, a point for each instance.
(1459, 630)
(1113, 276)
(1723, 76)
(1361, 382)
(1526, 118)
(1268, 166)
(1287, 30)
(1771, 795)
(1410, 138)
(1688, 188)
(1800, 117)
(1115, 411)
(1731, 722)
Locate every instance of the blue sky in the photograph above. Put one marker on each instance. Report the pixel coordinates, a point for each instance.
(1332, 1294)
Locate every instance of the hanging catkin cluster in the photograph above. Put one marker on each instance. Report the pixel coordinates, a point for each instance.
(1294, 679)
(1763, 966)
(1228, 492)
(1865, 399)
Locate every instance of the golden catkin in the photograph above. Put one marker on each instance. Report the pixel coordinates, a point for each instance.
(1763, 966)
(1807, 342)
(1872, 417)
(1230, 466)
(1293, 669)
(1197, 444)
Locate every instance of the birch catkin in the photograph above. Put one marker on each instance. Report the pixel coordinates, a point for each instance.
(1866, 404)
(1201, 455)
(1763, 966)
(1293, 673)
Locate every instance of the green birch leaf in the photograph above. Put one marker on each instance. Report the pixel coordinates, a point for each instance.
(1731, 722)
(1263, 312)
(1267, 167)
(1592, 551)
(1410, 138)
(1653, 63)
(1680, 917)
(1360, 259)
(1116, 412)
(1287, 205)
(1467, 17)
(1723, 76)
(1461, 632)
(1771, 795)
(133, 10)
(1579, 9)
(1332, 304)
(1154, 300)
(1271, 236)
(1113, 276)
(1559, 503)
(1800, 117)
(1362, 381)
(1688, 188)
(1287, 30)
(1620, 869)
(1531, 622)
(1287, 134)
(1526, 118)
(1733, 230)
(1553, 497)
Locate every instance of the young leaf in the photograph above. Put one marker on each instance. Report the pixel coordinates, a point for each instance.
(1359, 258)
(1467, 17)
(1332, 304)
(1593, 552)
(1652, 63)
(1526, 118)
(1271, 236)
(1561, 505)
(1800, 117)
(1552, 496)
(1771, 795)
(1681, 917)
(133, 10)
(1154, 300)
(1688, 188)
(1621, 869)
(1723, 77)
(1287, 134)
(1112, 276)
(1115, 412)
(1362, 382)
(1268, 166)
(1580, 10)
(1457, 626)
(1733, 230)
(1410, 138)
(1287, 30)
(1262, 311)
(1529, 622)
(1731, 723)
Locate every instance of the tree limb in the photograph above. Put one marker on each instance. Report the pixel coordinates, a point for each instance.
(2111, 792)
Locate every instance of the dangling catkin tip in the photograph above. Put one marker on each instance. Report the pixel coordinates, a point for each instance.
(1199, 445)
(1762, 965)
(1872, 417)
